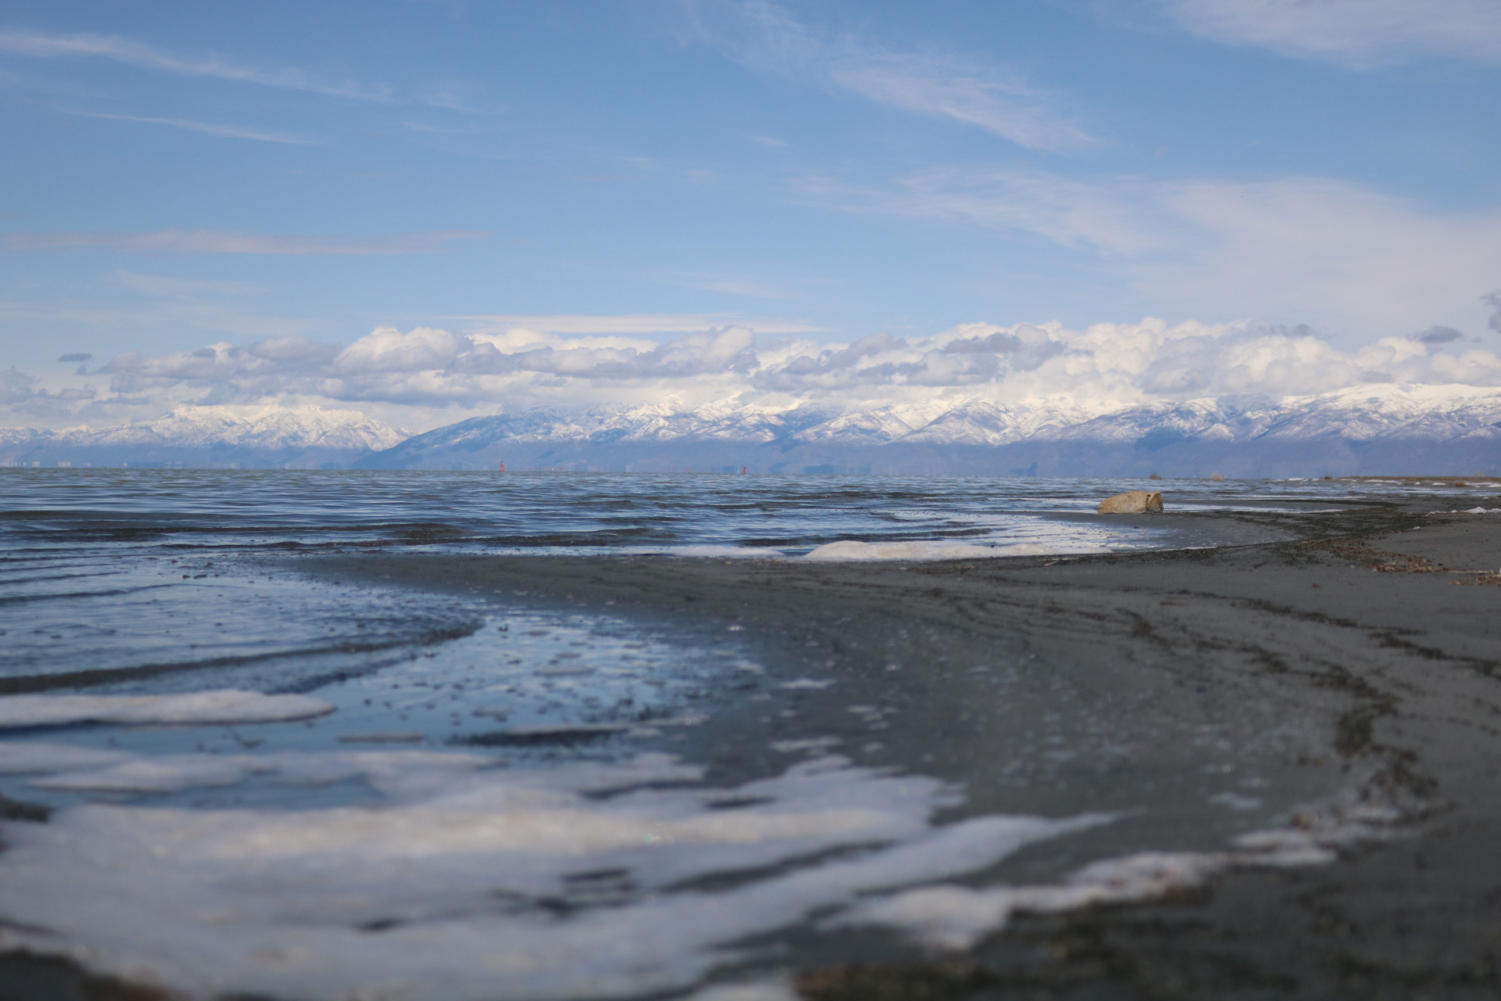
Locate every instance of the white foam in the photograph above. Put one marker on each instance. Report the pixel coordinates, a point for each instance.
(80, 770)
(767, 990)
(23, 758)
(851, 551)
(956, 917)
(728, 552)
(218, 706)
(447, 890)
(806, 744)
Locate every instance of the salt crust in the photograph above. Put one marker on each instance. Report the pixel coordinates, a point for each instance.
(569, 882)
(225, 705)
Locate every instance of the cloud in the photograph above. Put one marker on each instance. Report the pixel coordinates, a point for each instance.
(169, 312)
(1114, 216)
(1357, 32)
(220, 242)
(387, 349)
(16, 386)
(1104, 366)
(280, 364)
(1293, 249)
(766, 36)
(1493, 300)
(1438, 335)
(23, 394)
(741, 287)
(944, 87)
(207, 128)
(144, 56)
(75, 356)
(627, 323)
(433, 130)
(169, 287)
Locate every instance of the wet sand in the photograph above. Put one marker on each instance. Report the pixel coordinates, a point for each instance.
(1368, 651)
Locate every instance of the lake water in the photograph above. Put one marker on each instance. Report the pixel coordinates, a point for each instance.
(269, 783)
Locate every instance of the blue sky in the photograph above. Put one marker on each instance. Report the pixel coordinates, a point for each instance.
(321, 183)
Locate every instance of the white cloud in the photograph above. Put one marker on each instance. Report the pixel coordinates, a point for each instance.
(170, 287)
(426, 372)
(944, 87)
(144, 56)
(1333, 252)
(17, 318)
(1291, 250)
(740, 287)
(766, 36)
(1114, 216)
(207, 128)
(220, 242)
(386, 349)
(1359, 32)
(627, 323)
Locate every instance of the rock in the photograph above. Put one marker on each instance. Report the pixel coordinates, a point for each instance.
(1131, 502)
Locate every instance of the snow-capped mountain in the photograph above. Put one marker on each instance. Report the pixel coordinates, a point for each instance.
(210, 436)
(1374, 428)
(1380, 428)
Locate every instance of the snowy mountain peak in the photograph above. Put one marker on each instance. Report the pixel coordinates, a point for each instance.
(258, 427)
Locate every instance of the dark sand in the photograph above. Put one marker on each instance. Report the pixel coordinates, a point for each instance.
(1364, 655)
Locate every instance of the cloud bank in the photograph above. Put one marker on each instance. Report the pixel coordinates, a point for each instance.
(425, 376)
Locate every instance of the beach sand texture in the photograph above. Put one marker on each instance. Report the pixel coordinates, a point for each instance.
(1369, 650)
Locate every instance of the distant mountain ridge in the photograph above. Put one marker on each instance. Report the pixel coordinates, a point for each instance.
(1379, 428)
(210, 437)
(1376, 428)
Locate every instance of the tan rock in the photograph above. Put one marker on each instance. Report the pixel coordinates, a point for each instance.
(1131, 502)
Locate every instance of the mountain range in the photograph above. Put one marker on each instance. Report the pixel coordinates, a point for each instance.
(210, 437)
(1376, 428)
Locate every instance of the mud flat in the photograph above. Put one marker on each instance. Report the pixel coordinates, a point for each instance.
(1335, 697)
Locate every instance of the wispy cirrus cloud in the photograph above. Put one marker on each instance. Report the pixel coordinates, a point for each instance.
(766, 36)
(1288, 250)
(628, 323)
(743, 287)
(943, 87)
(221, 242)
(189, 125)
(1357, 32)
(142, 55)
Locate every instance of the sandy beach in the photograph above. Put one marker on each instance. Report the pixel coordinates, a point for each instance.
(1359, 659)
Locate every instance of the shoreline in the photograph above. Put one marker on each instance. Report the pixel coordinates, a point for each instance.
(1367, 644)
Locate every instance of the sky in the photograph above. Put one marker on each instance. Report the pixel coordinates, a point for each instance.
(432, 209)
